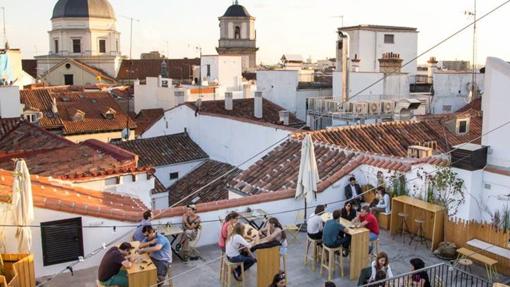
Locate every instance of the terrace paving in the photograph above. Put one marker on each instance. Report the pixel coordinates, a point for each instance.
(205, 272)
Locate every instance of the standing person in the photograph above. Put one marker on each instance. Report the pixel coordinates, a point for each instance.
(190, 224)
(419, 279)
(383, 205)
(353, 192)
(380, 179)
(110, 272)
(314, 223)
(333, 234)
(226, 228)
(236, 243)
(138, 235)
(381, 263)
(158, 248)
(368, 220)
(348, 212)
(279, 280)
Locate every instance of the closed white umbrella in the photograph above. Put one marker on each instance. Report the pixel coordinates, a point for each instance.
(23, 208)
(308, 173)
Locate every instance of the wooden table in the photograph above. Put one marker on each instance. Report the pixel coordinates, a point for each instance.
(490, 264)
(268, 265)
(432, 214)
(172, 232)
(358, 257)
(143, 272)
(251, 217)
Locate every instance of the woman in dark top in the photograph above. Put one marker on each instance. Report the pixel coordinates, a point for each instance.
(419, 279)
(348, 212)
(279, 280)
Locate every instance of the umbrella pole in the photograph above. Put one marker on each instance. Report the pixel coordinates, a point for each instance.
(303, 226)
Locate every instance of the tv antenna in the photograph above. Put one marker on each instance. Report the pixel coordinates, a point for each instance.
(5, 29)
(473, 92)
(131, 19)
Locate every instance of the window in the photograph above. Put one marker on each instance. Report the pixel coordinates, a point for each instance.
(62, 241)
(56, 46)
(174, 175)
(112, 181)
(463, 127)
(102, 46)
(76, 46)
(237, 32)
(208, 70)
(69, 79)
(389, 38)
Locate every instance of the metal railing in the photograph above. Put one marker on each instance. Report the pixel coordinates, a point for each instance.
(440, 275)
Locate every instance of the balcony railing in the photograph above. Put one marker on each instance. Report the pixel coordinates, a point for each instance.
(440, 275)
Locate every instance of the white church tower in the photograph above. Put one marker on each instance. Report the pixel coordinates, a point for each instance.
(238, 36)
(82, 30)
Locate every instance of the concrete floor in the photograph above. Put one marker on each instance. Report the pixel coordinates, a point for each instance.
(205, 272)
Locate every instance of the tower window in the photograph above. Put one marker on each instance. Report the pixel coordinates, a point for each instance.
(102, 46)
(208, 70)
(389, 39)
(76, 46)
(56, 46)
(237, 32)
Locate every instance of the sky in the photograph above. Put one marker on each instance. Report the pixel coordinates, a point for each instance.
(305, 27)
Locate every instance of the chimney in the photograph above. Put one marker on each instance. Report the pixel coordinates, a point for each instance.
(390, 63)
(431, 69)
(179, 97)
(229, 102)
(355, 63)
(284, 117)
(258, 105)
(246, 91)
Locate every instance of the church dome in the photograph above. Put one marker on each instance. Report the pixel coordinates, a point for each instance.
(236, 10)
(83, 9)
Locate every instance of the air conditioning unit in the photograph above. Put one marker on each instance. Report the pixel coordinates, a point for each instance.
(374, 108)
(387, 107)
(360, 108)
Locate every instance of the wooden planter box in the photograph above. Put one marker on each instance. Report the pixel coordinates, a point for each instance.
(18, 270)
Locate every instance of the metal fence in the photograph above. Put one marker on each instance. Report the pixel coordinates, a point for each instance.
(440, 275)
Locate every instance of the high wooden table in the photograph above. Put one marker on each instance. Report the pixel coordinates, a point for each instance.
(268, 259)
(358, 257)
(432, 214)
(143, 272)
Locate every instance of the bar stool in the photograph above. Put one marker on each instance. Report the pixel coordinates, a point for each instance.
(284, 261)
(328, 261)
(222, 266)
(419, 233)
(465, 265)
(229, 268)
(377, 248)
(316, 249)
(404, 228)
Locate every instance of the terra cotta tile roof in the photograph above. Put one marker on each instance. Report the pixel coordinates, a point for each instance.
(59, 196)
(202, 178)
(243, 109)
(7, 124)
(30, 67)
(146, 118)
(93, 104)
(164, 150)
(393, 138)
(140, 69)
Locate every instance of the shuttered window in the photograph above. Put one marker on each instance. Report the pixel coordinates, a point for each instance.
(62, 241)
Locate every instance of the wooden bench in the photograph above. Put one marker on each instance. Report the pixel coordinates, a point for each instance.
(491, 248)
(490, 264)
(384, 220)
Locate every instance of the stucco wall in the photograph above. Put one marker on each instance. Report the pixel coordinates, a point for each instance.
(447, 87)
(163, 172)
(104, 137)
(153, 94)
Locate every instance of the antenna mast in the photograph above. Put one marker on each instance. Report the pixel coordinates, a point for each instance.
(5, 29)
(473, 66)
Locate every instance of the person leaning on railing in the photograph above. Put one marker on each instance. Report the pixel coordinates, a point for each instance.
(419, 279)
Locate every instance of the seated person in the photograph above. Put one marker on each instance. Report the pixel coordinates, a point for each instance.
(384, 201)
(238, 250)
(368, 220)
(348, 212)
(158, 248)
(273, 235)
(110, 272)
(381, 263)
(353, 193)
(279, 280)
(314, 223)
(226, 228)
(380, 275)
(333, 235)
(419, 279)
(138, 235)
(190, 224)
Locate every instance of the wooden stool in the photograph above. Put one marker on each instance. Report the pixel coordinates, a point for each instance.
(316, 249)
(419, 233)
(377, 248)
(284, 261)
(464, 264)
(328, 260)
(222, 266)
(404, 228)
(229, 267)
